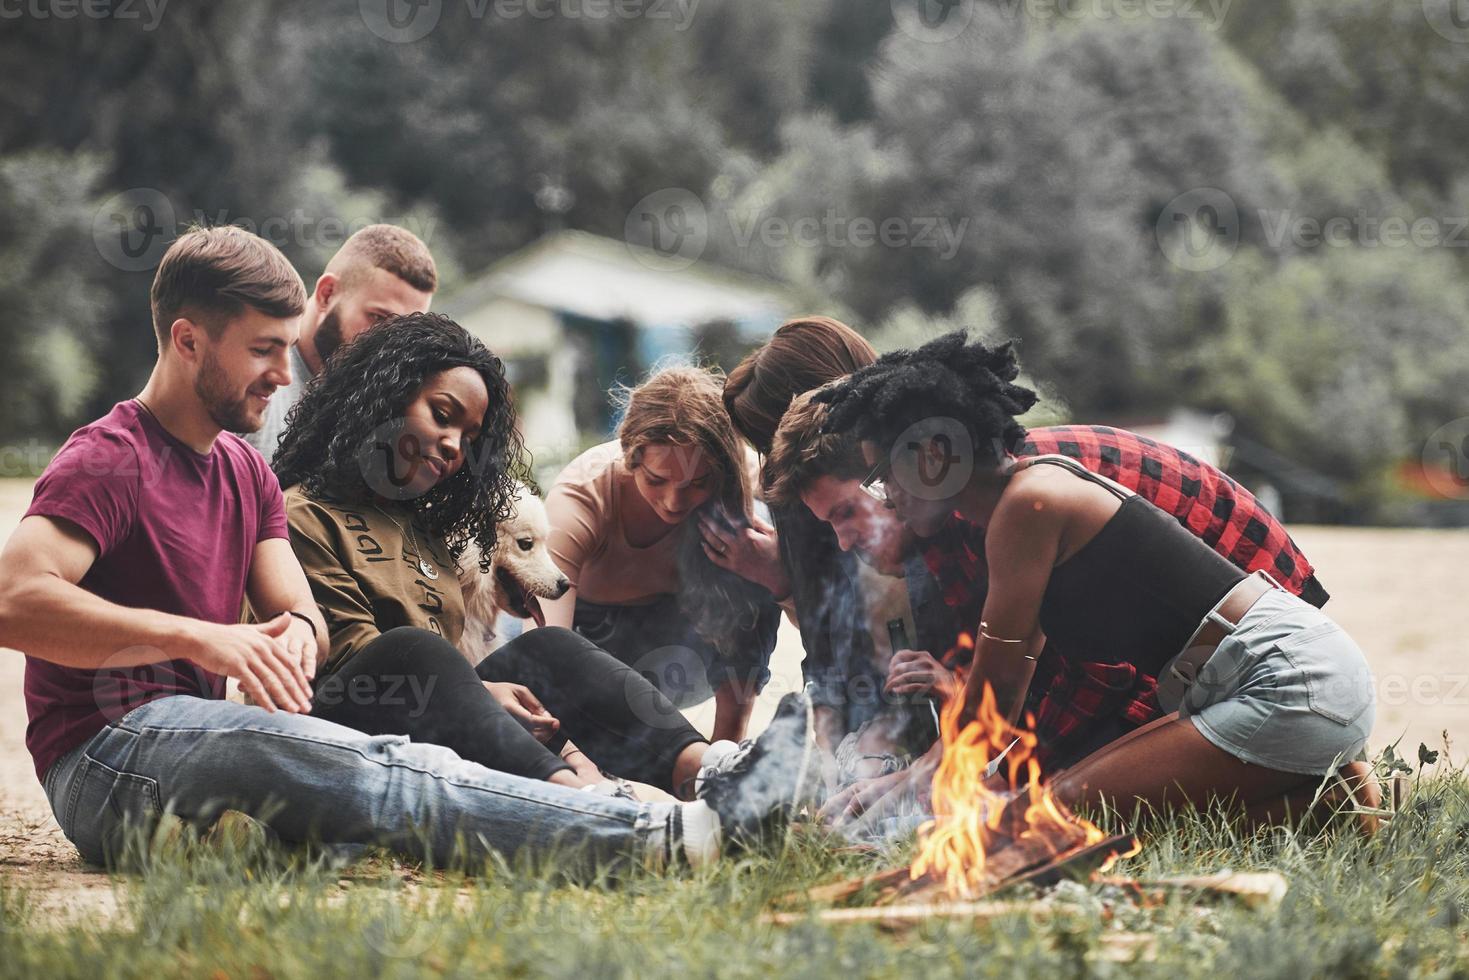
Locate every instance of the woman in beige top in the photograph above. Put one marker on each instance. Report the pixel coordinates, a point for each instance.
(625, 520)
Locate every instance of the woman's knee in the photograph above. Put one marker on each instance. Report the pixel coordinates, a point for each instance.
(410, 649)
(564, 652)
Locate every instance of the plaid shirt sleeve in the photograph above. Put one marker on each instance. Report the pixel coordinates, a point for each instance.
(1068, 694)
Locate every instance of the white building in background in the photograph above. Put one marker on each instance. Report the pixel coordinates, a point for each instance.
(570, 313)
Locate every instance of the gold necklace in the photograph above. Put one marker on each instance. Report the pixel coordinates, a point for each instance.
(423, 565)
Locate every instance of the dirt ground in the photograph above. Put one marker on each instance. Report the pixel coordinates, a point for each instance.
(1400, 593)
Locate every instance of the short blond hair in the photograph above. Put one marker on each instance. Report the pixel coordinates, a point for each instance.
(392, 249)
(800, 453)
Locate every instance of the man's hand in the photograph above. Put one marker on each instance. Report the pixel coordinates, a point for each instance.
(752, 553)
(864, 796)
(873, 796)
(917, 672)
(257, 655)
(524, 707)
(300, 639)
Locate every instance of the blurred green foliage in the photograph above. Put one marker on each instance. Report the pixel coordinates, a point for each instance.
(1052, 139)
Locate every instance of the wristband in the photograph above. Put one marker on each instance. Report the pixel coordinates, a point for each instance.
(301, 616)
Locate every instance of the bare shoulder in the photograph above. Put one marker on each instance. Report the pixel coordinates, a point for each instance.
(1037, 493)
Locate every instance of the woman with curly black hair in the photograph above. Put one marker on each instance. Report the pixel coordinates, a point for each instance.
(1266, 694)
(400, 453)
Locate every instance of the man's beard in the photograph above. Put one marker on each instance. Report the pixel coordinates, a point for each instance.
(212, 386)
(328, 335)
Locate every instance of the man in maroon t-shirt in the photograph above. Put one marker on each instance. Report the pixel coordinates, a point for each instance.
(124, 583)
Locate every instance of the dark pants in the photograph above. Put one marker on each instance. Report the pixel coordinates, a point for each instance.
(415, 683)
(659, 642)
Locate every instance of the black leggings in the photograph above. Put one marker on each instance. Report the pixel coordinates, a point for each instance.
(412, 682)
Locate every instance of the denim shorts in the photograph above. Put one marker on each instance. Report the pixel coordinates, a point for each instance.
(1287, 689)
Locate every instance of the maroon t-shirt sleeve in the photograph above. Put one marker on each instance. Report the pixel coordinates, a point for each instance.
(273, 523)
(93, 483)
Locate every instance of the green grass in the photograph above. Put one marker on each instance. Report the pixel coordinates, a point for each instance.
(1394, 905)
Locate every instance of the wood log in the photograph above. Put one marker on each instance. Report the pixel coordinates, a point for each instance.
(1260, 889)
(907, 916)
(840, 891)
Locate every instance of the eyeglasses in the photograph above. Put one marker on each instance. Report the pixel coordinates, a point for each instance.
(875, 483)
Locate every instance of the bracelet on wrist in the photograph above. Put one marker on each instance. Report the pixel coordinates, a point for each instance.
(301, 616)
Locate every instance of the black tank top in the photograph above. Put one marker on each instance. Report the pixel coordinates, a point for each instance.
(1136, 592)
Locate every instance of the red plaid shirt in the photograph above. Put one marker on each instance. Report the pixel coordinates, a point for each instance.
(1067, 694)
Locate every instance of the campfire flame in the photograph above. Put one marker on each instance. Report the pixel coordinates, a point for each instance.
(976, 823)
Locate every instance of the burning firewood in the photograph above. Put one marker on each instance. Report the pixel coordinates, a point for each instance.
(987, 831)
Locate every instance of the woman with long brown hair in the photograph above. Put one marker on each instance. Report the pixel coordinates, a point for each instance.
(834, 598)
(625, 519)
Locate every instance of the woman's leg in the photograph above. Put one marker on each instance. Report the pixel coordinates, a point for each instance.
(415, 683)
(1166, 764)
(654, 640)
(1281, 702)
(606, 708)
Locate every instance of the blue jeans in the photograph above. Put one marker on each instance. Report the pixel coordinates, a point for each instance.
(313, 780)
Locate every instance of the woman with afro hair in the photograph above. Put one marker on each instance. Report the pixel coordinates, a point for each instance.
(1265, 696)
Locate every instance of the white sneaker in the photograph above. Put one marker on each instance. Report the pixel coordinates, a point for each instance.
(700, 838)
(721, 756)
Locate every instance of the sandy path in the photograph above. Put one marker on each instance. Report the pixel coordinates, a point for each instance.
(1399, 593)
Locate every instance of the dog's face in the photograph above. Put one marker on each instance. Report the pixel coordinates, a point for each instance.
(522, 566)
